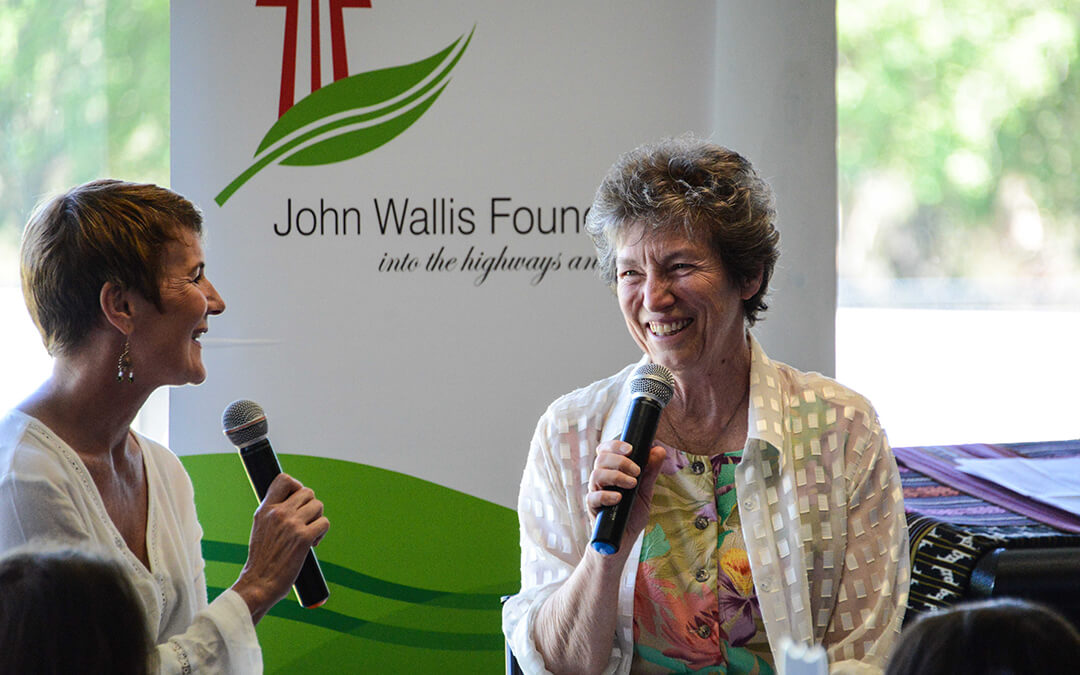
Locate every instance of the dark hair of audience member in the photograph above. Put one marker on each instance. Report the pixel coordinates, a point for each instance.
(64, 611)
(1003, 636)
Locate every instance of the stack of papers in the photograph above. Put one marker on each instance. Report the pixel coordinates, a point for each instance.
(1051, 481)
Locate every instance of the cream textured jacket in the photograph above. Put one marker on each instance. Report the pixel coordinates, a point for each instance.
(820, 502)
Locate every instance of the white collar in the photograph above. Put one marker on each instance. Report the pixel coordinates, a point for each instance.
(765, 421)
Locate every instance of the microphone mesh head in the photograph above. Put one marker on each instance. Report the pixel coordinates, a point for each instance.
(653, 381)
(244, 422)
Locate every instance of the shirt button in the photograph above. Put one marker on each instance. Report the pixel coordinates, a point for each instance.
(701, 522)
(704, 630)
(698, 467)
(749, 504)
(702, 575)
(765, 585)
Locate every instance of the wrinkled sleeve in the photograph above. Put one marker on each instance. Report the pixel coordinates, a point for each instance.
(873, 588)
(553, 529)
(221, 639)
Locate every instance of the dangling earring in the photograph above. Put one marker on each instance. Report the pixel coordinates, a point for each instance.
(123, 366)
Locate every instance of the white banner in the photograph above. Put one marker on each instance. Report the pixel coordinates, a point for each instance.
(417, 306)
(394, 196)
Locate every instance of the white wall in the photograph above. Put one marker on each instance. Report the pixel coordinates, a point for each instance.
(775, 98)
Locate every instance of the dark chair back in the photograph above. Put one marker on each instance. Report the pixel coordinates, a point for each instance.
(512, 667)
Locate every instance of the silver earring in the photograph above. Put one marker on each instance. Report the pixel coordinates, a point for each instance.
(123, 365)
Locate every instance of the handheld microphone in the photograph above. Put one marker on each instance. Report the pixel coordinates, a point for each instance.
(245, 426)
(652, 387)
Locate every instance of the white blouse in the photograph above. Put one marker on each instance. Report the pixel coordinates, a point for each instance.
(47, 495)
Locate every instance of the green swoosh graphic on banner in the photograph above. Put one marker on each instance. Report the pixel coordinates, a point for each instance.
(222, 551)
(381, 632)
(416, 569)
(355, 92)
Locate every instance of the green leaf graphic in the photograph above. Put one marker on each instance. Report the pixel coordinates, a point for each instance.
(355, 93)
(355, 143)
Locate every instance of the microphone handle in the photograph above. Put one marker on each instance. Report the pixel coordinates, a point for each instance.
(262, 467)
(639, 431)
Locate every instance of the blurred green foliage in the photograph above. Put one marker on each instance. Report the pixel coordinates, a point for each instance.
(959, 137)
(957, 122)
(84, 94)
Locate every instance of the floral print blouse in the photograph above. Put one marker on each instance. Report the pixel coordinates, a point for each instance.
(695, 607)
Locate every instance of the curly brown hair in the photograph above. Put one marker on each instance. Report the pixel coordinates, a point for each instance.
(709, 192)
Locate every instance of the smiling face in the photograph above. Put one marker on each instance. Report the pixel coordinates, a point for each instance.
(165, 344)
(679, 304)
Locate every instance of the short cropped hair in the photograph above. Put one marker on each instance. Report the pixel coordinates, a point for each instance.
(706, 191)
(104, 230)
(66, 611)
(1004, 636)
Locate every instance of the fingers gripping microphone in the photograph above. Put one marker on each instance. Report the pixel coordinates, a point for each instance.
(245, 425)
(652, 387)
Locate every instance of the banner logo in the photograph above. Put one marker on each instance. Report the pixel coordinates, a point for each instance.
(353, 115)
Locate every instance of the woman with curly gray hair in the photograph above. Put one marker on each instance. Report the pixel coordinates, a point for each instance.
(769, 508)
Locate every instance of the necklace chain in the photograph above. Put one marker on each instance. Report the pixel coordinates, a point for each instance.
(738, 406)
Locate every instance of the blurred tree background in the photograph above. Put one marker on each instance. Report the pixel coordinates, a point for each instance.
(958, 131)
(958, 143)
(84, 93)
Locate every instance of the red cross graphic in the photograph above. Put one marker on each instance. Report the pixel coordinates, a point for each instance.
(288, 50)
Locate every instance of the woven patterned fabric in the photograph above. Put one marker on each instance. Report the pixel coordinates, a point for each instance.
(950, 529)
(939, 463)
(819, 502)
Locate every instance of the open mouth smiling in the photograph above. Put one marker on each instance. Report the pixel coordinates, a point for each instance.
(667, 328)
